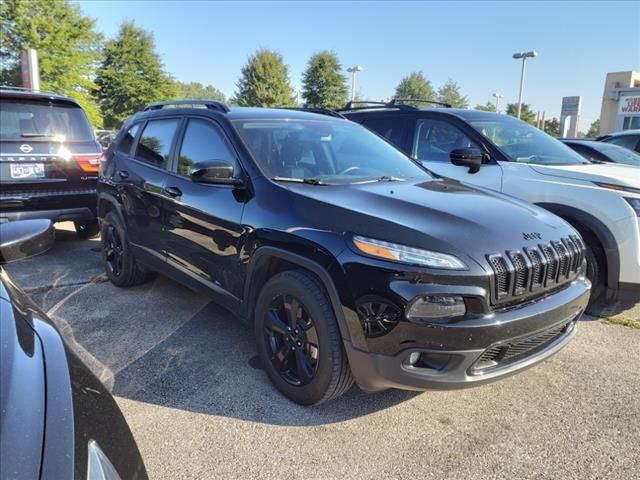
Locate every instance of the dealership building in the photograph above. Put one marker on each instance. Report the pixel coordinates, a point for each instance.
(620, 102)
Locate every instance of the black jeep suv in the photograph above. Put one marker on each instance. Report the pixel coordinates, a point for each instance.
(49, 160)
(349, 259)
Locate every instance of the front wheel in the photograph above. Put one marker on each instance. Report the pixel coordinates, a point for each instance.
(298, 339)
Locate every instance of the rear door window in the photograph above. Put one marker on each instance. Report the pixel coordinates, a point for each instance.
(154, 146)
(393, 129)
(33, 120)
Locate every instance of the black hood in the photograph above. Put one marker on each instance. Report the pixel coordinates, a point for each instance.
(440, 215)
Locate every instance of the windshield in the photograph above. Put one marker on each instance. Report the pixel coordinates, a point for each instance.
(617, 154)
(37, 120)
(323, 151)
(522, 143)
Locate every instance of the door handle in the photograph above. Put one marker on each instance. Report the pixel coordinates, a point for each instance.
(123, 174)
(173, 191)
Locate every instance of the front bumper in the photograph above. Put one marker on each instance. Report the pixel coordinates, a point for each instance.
(451, 368)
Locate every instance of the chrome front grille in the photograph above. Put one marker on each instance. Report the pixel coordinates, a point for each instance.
(535, 269)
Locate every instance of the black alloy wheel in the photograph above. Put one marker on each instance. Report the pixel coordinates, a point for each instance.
(291, 340)
(113, 250)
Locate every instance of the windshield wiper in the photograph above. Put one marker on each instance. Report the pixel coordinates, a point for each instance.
(309, 181)
(388, 178)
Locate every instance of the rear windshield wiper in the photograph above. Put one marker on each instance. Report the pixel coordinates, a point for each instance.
(309, 181)
(38, 135)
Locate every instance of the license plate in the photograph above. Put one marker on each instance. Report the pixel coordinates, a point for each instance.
(27, 170)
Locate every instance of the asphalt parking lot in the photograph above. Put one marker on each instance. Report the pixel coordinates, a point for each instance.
(184, 374)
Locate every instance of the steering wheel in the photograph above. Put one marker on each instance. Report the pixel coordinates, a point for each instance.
(350, 169)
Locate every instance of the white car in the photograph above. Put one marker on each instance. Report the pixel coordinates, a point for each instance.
(602, 201)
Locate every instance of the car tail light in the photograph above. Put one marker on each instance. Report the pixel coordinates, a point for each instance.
(89, 163)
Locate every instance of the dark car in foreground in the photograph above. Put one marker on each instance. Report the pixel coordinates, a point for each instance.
(602, 152)
(57, 421)
(49, 160)
(349, 259)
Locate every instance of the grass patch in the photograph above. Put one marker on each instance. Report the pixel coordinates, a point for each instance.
(626, 322)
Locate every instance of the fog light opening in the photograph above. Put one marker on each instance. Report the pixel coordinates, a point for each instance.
(429, 308)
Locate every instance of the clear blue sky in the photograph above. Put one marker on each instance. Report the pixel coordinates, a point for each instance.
(471, 42)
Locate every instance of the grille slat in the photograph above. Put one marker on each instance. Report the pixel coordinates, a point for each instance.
(535, 269)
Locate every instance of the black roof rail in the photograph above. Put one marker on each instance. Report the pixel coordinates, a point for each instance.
(25, 89)
(356, 105)
(210, 104)
(400, 101)
(321, 111)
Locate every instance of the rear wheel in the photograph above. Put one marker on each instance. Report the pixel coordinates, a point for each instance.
(119, 262)
(299, 341)
(87, 229)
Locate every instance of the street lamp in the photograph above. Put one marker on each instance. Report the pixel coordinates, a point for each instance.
(353, 71)
(498, 97)
(523, 56)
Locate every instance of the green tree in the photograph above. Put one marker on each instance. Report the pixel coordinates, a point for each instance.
(197, 90)
(450, 93)
(552, 127)
(322, 83)
(526, 115)
(415, 85)
(264, 81)
(488, 107)
(131, 75)
(68, 48)
(594, 129)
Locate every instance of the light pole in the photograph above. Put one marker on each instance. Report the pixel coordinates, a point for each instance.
(523, 56)
(498, 97)
(353, 71)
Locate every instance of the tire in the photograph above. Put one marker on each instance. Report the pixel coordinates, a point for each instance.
(87, 229)
(326, 374)
(596, 273)
(119, 263)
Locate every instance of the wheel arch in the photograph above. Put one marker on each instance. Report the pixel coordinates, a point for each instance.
(600, 231)
(266, 261)
(106, 204)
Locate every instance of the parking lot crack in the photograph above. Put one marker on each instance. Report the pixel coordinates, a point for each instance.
(52, 286)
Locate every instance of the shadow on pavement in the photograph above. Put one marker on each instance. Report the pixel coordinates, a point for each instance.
(206, 367)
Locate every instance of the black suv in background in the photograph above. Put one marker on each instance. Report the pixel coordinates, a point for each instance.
(49, 160)
(350, 260)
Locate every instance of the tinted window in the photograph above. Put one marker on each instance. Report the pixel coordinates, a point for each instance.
(154, 146)
(22, 119)
(523, 143)
(390, 128)
(203, 142)
(436, 139)
(127, 140)
(626, 141)
(327, 151)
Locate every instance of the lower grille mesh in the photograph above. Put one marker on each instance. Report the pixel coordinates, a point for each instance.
(501, 355)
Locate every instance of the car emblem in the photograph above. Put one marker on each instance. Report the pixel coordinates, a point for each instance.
(24, 148)
(531, 236)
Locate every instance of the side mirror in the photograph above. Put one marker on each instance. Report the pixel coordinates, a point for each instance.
(214, 171)
(25, 238)
(467, 157)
